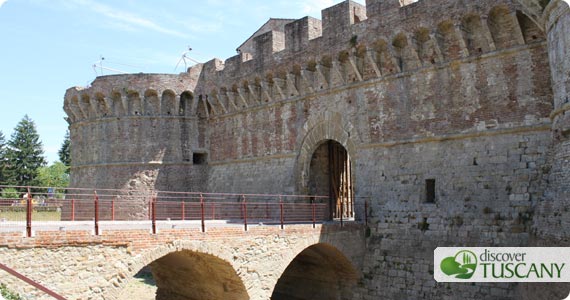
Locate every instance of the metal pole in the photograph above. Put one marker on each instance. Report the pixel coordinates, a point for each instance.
(153, 213)
(281, 211)
(31, 282)
(244, 213)
(29, 214)
(183, 211)
(113, 210)
(96, 200)
(150, 209)
(202, 217)
(72, 209)
(314, 215)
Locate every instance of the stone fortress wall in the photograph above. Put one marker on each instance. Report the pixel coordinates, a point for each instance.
(471, 94)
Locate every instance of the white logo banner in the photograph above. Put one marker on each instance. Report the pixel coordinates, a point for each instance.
(501, 264)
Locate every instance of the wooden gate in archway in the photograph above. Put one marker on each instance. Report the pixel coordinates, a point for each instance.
(331, 174)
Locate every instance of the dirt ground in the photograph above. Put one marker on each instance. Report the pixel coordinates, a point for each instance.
(141, 287)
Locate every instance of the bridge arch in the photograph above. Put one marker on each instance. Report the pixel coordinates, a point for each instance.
(320, 271)
(190, 270)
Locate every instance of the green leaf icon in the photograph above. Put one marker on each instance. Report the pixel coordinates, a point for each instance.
(462, 265)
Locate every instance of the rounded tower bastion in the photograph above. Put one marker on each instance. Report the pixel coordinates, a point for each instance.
(136, 132)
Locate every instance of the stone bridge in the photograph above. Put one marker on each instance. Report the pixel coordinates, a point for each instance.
(225, 262)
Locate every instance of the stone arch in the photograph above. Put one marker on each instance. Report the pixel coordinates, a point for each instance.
(134, 103)
(475, 35)
(534, 9)
(186, 107)
(323, 127)
(384, 58)
(202, 109)
(101, 106)
(190, 270)
(320, 271)
(531, 32)
(117, 103)
(406, 53)
(151, 102)
(428, 53)
(73, 104)
(449, 41)
(168, 105)
(85, 106)
(503, 28)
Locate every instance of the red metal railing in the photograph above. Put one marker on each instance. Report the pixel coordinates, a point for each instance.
(31, 282)
(38, 208)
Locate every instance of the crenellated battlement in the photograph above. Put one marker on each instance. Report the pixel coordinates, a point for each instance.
(133, 95)
(358, 43)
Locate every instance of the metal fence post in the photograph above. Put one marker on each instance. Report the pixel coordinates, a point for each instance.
(202, 217)
(29, 213)
(153, 214)
(96, 202)
(281, 211)
(244, 204)
(150, 209)
(72, 209)
(313, 213)
(113, 210)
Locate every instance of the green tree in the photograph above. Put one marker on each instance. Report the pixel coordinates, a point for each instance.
(54, 176)
(2, 157)
(64, 154)
(24, 155)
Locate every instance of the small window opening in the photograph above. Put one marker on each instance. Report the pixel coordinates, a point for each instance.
(430, 191)
(199, 158)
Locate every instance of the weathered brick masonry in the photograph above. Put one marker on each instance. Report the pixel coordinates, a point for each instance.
(471, 94)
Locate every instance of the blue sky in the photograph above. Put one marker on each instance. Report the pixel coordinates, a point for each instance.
(48, 46)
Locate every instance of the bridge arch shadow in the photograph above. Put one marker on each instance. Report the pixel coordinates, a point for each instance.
(185, 274)
(320, 271)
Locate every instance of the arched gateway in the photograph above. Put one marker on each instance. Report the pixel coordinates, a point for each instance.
(325, 162)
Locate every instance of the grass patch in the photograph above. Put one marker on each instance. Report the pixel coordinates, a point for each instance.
(8, 295)
(36, 215)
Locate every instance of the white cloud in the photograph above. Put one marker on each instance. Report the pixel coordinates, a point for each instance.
(314, 7)
(126, 20)
(2, 2)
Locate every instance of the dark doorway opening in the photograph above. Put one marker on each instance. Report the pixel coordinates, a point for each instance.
(330, 175)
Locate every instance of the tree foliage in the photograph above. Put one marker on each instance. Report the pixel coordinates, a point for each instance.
(2, 156)
(24, 155)
(64, 154)
(55, 175)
